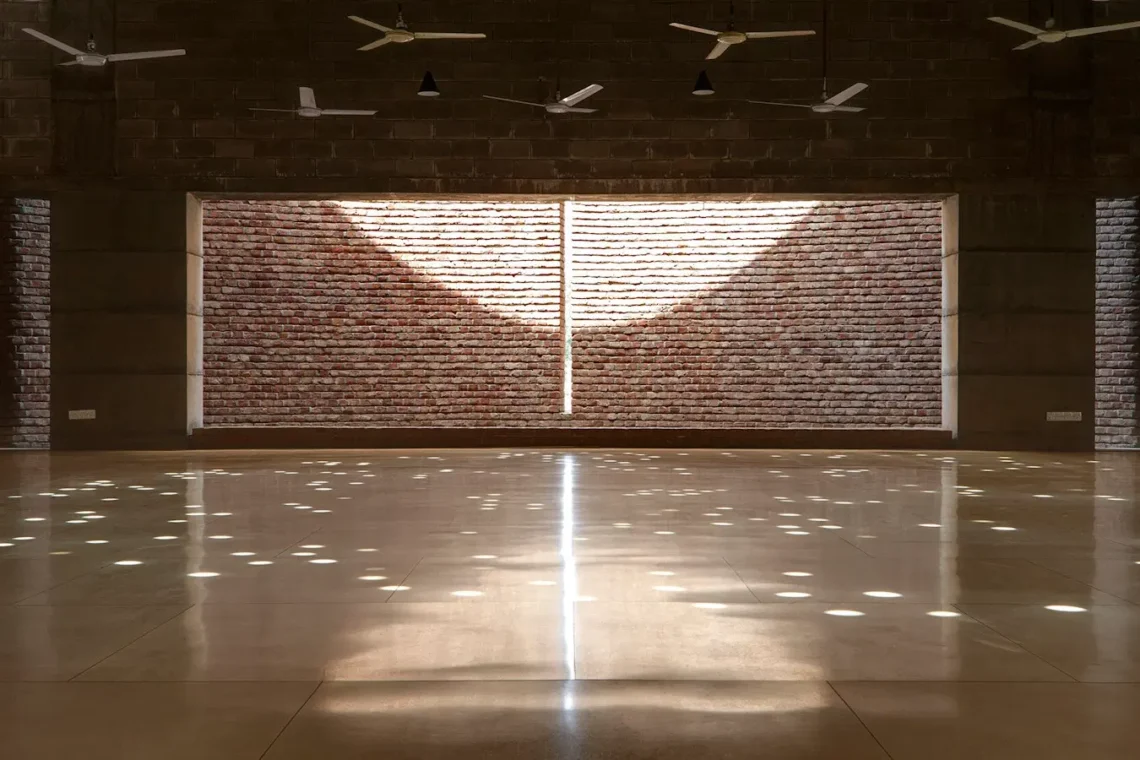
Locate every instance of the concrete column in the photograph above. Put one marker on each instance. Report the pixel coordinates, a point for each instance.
(126, 319)
(1020, 307)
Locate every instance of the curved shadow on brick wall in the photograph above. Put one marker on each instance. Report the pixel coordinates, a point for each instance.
(836, 349)
(792, 339)
(386, 346)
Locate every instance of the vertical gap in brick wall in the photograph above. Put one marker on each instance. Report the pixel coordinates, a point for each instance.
(950, 315)
(567, 258)
(195, 408)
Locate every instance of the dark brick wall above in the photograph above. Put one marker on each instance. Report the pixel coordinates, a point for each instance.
(949, 104)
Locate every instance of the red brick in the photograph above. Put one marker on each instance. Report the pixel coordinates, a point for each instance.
(448, 313)
(25, 304)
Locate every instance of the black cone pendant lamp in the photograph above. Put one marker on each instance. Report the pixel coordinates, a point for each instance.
(428, 88)
(703, 85)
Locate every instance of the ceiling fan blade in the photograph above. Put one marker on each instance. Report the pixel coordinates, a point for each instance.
(308, 97)
(847, 94)
(275, 110)
(581, 95)
(774, 103)
(773, 35)
(1102, 29)
(520, 102)
(581, 110)
(1016, 25)
(449, 36)
(371, 24)
(70, 63)
(1027, 45)
(53, 41)
(717, 51)
(345, 112)
(849, 109)
(697, 29)
(374, 45)
(144, 55)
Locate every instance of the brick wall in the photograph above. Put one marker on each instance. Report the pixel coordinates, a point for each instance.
(25, 89)
(684, 314)
(1117, 322)
(400, 313)
(758, 314)
(25, 322)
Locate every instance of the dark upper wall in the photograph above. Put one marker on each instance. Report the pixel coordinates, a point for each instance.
(950, 105)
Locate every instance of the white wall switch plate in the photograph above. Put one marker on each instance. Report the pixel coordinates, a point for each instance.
(81, 414)
(1063, 417)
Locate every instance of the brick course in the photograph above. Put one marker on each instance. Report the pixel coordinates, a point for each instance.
(1117, 322)
(439, 313)
(25, 319)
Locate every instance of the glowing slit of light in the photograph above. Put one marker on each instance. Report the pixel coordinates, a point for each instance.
(569, 576)
(567, 311)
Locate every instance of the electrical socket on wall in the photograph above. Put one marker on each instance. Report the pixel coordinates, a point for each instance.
(81, 414)
(1063, 416)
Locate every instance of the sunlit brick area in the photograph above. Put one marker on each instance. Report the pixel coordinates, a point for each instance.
(573, 313)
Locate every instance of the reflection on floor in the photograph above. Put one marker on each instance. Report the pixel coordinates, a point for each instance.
(570, 604)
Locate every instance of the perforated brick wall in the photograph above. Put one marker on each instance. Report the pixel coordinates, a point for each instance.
(402, 313)
(684, 314)
(1117, 322)
(758, 314)
(25, 323)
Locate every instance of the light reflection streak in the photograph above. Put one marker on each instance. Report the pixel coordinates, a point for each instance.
(192, 621)
(569, 576)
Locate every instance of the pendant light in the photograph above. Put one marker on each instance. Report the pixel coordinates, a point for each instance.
(703, 85)
(428, 88)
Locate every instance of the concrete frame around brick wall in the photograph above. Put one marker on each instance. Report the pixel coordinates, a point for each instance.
(1027, 284)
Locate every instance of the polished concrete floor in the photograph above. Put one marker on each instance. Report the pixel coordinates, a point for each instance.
(570, 604)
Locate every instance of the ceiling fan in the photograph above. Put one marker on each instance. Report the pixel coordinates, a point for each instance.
(833, 104)
(1050, 34)
(726, 39)
(401, 34)
(309, 108)
(91, 57)
(560, 104)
